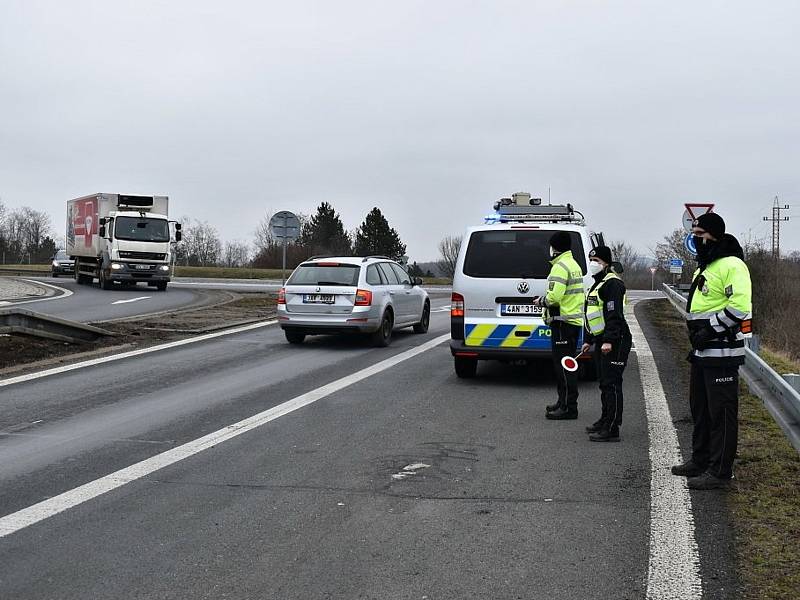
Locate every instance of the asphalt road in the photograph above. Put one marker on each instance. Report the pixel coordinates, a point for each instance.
(508, 505)
(89, 303)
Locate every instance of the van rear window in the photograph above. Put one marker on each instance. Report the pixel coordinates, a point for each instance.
(511, 254)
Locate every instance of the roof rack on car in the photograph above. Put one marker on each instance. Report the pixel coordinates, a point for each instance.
(522, 208)
(366, 258)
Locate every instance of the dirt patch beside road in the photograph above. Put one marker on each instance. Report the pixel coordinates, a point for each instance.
(20, 353)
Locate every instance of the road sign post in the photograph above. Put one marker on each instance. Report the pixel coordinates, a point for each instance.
(284, 225)
(653, 278)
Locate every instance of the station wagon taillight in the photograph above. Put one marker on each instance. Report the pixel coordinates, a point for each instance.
(363, 298)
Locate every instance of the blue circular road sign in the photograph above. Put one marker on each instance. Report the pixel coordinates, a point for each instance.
(688, 243)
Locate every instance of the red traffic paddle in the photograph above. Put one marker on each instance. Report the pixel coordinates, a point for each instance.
(568, 363)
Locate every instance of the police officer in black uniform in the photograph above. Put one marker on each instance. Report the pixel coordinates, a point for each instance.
(607, 330)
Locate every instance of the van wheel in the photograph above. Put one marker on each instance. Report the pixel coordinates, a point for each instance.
(466, 368)
(294, 337)
(382, 337)
(422, 326)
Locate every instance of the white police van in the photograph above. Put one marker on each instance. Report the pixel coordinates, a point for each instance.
(501, 266)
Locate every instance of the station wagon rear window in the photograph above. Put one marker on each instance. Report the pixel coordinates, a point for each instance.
(325, 274)
(515, 254)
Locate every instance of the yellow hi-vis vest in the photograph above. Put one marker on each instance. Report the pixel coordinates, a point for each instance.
(595, 319)
(722, 300)
(565, 292)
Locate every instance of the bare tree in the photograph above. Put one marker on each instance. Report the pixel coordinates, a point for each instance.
(448, 249)
(235, 254)
(202, 246)
(263, 235)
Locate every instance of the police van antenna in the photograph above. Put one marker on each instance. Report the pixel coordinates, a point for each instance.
(548, 197)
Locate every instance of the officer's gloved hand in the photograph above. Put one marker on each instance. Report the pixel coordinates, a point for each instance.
(702, 336)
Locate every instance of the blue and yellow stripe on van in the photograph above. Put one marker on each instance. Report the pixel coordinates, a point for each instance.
(492, 335)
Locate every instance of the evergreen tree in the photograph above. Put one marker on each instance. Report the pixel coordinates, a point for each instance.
(324, 233)
(375, 237)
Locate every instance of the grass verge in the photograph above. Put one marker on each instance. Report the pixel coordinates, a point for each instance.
(765, 502)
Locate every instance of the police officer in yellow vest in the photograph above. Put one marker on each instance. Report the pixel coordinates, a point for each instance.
(718, 315)
(563, 312)
(607, 331)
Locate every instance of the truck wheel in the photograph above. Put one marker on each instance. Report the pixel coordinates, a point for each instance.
(294, 337)
(425, 321)
(382, 337)
(162, 286)
(466, 368)
(105, 284)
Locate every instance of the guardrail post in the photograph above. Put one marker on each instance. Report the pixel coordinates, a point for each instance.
(793, 379)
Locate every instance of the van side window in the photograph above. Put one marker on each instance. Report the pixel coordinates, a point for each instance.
(373, 277)
(401, 274)
(388, 273)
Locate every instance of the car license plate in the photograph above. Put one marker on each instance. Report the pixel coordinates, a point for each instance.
(143, 267)
(520, 309)
(318, 298)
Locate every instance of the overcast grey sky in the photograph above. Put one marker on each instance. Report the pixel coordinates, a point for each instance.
(429, 110)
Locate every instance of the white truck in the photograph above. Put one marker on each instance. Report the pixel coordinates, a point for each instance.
(121, 238)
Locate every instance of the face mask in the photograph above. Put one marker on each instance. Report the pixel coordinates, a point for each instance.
(703, 246)
(595, 268)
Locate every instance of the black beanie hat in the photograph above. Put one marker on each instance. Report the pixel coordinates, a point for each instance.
(712, 223)
(560, 241)
(603, 253)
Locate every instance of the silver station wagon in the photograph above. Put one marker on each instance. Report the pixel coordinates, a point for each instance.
(352, 294)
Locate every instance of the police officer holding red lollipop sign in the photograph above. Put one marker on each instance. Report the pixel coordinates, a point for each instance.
(607, 331)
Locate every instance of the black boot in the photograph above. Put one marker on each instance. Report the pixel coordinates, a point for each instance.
(563, 414)
(596, 426)
(688, 469)
(552, 407)
(606, 435)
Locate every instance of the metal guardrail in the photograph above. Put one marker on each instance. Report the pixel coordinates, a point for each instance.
(23, 270)
(27, 322)
(780, 398)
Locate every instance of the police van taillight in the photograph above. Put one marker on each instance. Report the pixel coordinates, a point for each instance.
(457, 305)
(282, 296)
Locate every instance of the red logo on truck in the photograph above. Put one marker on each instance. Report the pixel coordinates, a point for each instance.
(85, 220)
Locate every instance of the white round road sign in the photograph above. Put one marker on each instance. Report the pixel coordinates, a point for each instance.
(688, 219)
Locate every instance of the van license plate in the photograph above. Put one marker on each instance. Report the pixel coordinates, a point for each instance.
(318, 298)
(520, 309)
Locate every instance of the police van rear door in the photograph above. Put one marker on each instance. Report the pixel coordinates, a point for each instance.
(507, 267)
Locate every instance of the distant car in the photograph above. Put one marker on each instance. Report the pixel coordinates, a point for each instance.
(62, 264)
(352, 294)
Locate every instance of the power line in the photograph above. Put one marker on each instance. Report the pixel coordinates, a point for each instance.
(777, 219)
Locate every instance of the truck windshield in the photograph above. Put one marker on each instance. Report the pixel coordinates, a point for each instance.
(325, 274)
(509, 253)
(141, 229)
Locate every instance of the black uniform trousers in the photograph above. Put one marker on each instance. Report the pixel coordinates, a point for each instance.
(714, 402)
(610, 368)
(564, 339)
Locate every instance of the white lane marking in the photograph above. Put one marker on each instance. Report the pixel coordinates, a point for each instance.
(674, 565)
(65, 293)
(57, 504)
(131, 300)
(113, 357)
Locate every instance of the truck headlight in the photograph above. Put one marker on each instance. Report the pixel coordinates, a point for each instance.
(164, 267)
(116, 266)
